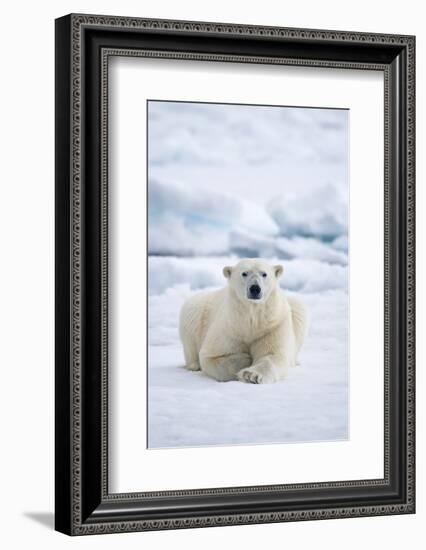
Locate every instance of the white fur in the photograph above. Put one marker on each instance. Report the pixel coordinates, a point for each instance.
(231, 336)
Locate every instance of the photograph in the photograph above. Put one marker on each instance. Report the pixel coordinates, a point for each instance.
(248, 273)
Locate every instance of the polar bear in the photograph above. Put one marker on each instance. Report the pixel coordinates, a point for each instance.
(248, 331)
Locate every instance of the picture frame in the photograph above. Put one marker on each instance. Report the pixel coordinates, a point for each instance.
(83, 503)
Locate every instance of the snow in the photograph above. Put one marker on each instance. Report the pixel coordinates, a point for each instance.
(245, 244)
(302, 275)
(215, 134)
(184, 223)
(189, 409)
(230, 181)
(301, 216)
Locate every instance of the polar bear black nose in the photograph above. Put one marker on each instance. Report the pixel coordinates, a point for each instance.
(255, 290)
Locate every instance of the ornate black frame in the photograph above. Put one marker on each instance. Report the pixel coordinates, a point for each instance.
(83, 46)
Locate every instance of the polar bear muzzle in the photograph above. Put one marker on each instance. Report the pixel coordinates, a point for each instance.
(254, 292)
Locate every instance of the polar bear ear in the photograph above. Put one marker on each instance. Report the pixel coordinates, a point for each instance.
(278, 270)
(227, 270)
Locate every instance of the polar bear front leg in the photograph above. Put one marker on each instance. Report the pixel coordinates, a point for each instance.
(225, 368)
(272, 356)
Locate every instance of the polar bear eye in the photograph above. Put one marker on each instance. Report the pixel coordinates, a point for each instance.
(244, 274)
(264, 275)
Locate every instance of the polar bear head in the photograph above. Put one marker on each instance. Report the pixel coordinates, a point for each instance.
(253, 279)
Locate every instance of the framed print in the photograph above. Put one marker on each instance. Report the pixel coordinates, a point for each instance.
(234, 274)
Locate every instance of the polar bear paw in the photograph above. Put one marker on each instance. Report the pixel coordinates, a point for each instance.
(257, 374)
(193, 366)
